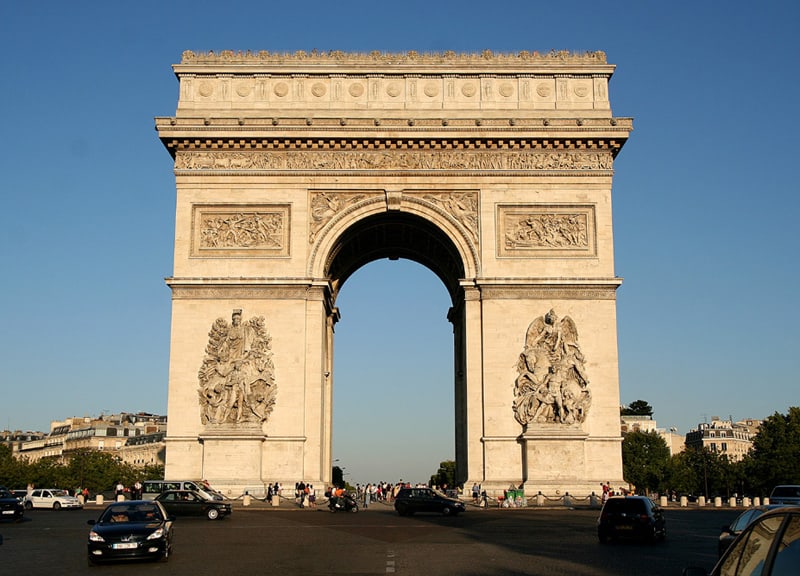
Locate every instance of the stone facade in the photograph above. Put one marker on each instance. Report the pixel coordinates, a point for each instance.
(724, 437)
(493, 170)
(136, 439)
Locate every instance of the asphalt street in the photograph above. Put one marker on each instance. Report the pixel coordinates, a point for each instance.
(288, 540)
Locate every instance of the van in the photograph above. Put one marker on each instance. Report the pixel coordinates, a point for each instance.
(152, 488)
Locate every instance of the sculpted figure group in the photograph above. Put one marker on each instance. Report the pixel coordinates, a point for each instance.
(552, 385)
(237, 378)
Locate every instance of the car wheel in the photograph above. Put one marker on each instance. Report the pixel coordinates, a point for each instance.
(212, 513)
(447, 510)
(56, 505)
(28, 505)
(354, 508)
(167, 551)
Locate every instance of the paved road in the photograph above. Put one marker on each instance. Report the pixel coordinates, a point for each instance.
(375, 542)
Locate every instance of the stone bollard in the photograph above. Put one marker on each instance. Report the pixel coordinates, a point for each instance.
(120, 497)
(99, 499)
(663, 501)
(594, 501)
(766, 500)
(746, 502)
(756, 501)
(717, 502)
(701, 501)
(540, 499)
(732, 502)
(567, 500)
(246, 500)
(684, 501)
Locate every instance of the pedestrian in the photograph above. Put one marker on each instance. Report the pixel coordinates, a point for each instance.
(120, 490)
(136, 490)
(475, 493)
(312, 497)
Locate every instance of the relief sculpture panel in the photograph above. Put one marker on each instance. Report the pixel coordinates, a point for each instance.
(240, 230)
(237, 377)
(546, 230)
(552, 385)
(490, 160)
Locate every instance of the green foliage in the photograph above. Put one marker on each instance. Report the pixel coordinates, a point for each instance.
(96, 470)
(337, 477)
(637, 408)
(446, 475)
(645, 457)
(775, 456)
(701, 472)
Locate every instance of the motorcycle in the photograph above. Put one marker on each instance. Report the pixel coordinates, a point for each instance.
(344, 503)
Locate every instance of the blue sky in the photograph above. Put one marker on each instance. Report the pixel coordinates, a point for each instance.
(705, 207)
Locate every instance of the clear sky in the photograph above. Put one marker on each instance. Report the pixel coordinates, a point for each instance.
(706, 200)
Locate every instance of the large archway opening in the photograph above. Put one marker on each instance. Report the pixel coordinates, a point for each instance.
(393, 394)
(397, 405)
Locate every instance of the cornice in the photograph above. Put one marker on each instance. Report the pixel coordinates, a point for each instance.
(337, 59)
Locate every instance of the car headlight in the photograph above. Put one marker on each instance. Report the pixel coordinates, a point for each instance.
(157, 534)
(95, 537)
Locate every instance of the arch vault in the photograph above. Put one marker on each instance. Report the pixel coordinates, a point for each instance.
(492, 170)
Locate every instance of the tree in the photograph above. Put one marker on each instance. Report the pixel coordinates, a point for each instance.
(637, 408)
(645, 457)
(775, 456)
(446, 475)
(337, 477)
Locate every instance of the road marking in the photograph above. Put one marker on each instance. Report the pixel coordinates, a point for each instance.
(390, 562)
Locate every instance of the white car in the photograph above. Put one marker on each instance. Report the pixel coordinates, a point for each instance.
(52, 498)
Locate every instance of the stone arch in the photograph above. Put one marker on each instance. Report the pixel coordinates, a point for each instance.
(420, 231)
(503, 192)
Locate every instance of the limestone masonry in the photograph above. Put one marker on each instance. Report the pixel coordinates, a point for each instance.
(493, 170)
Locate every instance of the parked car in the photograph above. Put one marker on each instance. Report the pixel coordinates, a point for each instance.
(411, 500)
(631, 517)
(52, 498)
(131, 530)
(768, 546)
(191, 503)
(730, 532)
(10, 506)
(152, 488)
(786, 494)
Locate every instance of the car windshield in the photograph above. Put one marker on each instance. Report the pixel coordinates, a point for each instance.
(124, 513)
(6, 494)
(60, 493)
(791, 491)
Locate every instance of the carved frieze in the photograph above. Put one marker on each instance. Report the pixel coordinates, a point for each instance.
(552, 385)
(240, 230)
(396, 160)
(237, 377)
(463, 206)
(546, 230)
(410, 57)
(327, 204)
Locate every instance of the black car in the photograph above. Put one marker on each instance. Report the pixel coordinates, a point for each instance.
(131, 530)
(411, 500)
(768, 546)
(191, 503)
(631, 517)
(10, 506)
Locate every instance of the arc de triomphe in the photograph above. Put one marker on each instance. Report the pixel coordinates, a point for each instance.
(493, 170)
